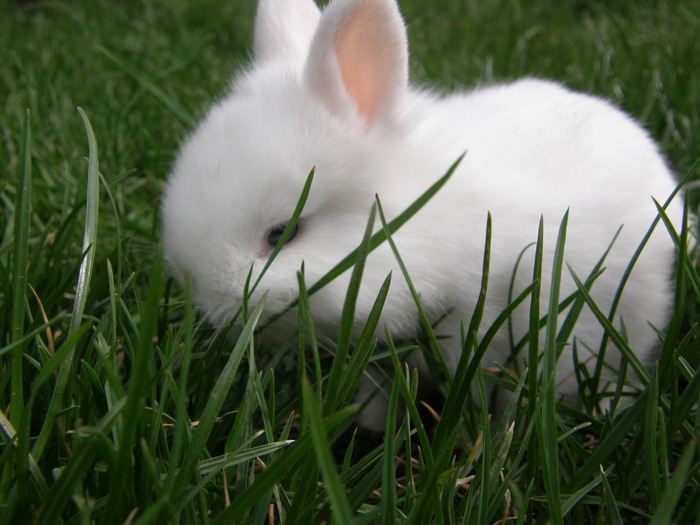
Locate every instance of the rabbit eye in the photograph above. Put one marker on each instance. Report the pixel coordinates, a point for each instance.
(275, 235)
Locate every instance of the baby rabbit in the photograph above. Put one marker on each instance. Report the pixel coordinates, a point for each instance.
(329, 89)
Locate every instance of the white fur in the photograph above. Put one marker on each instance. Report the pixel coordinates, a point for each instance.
(344, 106)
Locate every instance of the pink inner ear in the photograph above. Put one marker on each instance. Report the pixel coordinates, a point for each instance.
(363, 58)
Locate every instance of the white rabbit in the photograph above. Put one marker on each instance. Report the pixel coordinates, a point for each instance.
(330, 89)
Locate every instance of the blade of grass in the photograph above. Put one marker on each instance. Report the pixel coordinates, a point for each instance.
(364, 347)
(22, 443)
(84, 277)
(673, 332)
(150, 86)
(511, 290)
(216, 464)
(365, 476)
(574, 499)
(62, 490)
(459, 389)
(209, 468)
(425, 322)
(687, 401)
(534, 343)
(347, 321)
(650, 444)
(609, 498)
(289, 228)
(306, 489)
(340, 507)
(504, 446)
(410, 423)
(22, 217)
(393, 226)
(455, 403)
(182, 420)
(664, 513)
(214, 403)
(625, 277)
(28, 336)
(90, 234)
(121, 477)
(389, 503)
(484, 474)
(295, 454)
(608, 445)
(429, 496)
(611, 332)
(306, 329)
(8, 431)
(547, 428)
(408, 398)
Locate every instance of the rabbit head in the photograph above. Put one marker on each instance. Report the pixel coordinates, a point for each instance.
(325, 91)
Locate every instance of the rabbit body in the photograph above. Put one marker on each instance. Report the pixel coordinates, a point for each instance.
(329, 90)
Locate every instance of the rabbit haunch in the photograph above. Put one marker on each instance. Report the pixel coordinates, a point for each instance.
(329, 89)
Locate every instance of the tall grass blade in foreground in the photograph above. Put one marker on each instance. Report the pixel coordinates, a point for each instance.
(22, 214)
(117, 424)
(215, 402)
(392, 226)
(547, 427)
(340, 508)
(122, 479)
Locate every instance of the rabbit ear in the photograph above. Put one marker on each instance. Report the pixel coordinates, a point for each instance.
(358, 58)
(284, 29)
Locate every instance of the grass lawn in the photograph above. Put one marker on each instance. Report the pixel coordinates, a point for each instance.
(118, 404)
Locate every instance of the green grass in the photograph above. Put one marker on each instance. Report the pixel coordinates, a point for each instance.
(120, 405)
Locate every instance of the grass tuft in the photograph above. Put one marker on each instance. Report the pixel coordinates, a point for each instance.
(119, 404)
